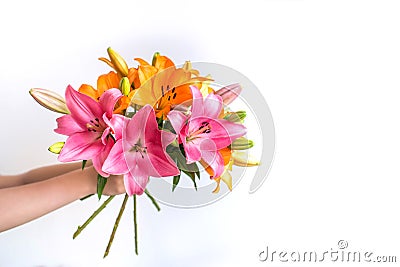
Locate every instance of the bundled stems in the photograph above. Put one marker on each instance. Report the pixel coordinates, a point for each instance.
(80, 228)
(135, 224)
(116, 224)
(152, 200)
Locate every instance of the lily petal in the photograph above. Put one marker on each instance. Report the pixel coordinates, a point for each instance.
(108, 100)
(135, 185)
(117, 124)
(214, 106)
(81, 146)
(227, 129)
(214, 160)
(192, 152)
(177, 120)
(68, 126)
(99, 159)
(115, 162)
(197, 105)
(83, 108)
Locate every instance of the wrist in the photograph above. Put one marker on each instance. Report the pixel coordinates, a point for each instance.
(90, 177)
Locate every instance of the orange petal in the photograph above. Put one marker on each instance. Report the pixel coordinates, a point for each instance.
(133, 76)
(107, 81)
(89, 91)
(163, 62)
(142, 62)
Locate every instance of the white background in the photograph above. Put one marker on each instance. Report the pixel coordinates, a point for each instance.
(329, 71)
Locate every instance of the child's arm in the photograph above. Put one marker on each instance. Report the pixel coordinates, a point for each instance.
(39, 174)
(22, 204)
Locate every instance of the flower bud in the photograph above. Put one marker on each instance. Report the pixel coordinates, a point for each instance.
(125, 86)
(49, 100)
(155, 56)
(229, 93)
(242, 143)
(243, 159)
(56, 147)
(119, 64)
(237, 116)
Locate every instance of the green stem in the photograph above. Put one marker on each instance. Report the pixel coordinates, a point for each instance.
(80, 228)
(135, 224)
(116, 224)
(152, 200)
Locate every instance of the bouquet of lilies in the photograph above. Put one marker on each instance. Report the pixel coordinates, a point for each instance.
(154, 120)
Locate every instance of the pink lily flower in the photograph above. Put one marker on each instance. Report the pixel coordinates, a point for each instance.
(203, 133)
(140, 152)
(88, 127)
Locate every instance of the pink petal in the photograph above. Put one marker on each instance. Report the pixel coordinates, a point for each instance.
(152, 134)
(82, 107)
(105, 136)
(136, 127)
(108, 100)
(192, 152)
(226, 133)
(197, 105)
(163, 165)
(81, 146)
(212, 106)
(115, 162)
(177, 119)
(135, 182)
(215, 161)
(167, 138)
(229, 93)
(117, 124)
(99, 159)
(68, 126)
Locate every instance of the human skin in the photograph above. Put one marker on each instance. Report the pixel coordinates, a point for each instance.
(43, 190)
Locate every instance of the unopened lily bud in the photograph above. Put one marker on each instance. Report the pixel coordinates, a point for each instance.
(49, 100)
(56, 147)
(229, 93)
(125, 86)
(242, 143)
(237, 116)
(155, 56)
(118, 62)
(243, 159)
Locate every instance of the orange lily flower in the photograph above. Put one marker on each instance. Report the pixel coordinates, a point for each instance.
(108, 81)
(163, 85)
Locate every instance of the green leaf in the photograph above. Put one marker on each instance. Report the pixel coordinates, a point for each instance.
(191, 170)
(192, 177)
(175, 181)
(160, 122)
(101, 183)
(83, 164)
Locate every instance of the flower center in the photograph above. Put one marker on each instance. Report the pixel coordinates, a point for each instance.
(94, 125)
(139, 148)
(205, 127)
(167, 96)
